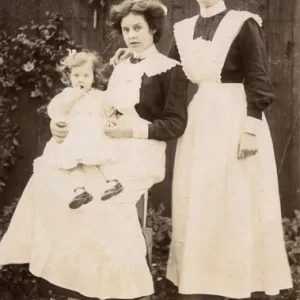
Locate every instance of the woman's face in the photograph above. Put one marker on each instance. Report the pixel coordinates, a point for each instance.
(208, 3)
(136, 32)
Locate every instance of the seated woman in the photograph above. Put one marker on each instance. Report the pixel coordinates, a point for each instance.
(142, 89)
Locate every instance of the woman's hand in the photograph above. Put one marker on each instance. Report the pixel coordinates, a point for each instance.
(121, 54)
(120, 128)
(248, 146)
(59, 130)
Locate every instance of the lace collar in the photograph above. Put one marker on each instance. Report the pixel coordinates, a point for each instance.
(153, 62)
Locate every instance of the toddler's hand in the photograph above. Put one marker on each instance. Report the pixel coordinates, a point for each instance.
(74, 93)
(59, 130)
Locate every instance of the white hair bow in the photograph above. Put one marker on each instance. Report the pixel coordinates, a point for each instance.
(72, 51)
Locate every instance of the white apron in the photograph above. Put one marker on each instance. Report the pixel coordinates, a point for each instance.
(227, 233)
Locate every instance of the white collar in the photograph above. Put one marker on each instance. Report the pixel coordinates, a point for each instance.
(128, 77)
(208, 12)
(154, 63)
(146, 53)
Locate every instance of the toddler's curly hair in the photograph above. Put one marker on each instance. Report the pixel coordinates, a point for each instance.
(77, 59)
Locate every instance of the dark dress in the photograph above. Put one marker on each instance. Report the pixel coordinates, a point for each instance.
(162, 102)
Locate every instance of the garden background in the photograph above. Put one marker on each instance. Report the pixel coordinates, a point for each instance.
(26, 87)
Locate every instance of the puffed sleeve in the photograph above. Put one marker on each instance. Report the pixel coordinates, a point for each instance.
(59, 106)
(258, 86)
(173, 120)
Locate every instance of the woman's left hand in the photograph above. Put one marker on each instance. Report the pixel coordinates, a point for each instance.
(120, 128)
(121, 54)
(248, 146)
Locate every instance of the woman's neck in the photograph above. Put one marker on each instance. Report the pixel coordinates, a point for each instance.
(212, 10)
(145, 53)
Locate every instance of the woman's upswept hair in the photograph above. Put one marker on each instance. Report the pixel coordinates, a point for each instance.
(153, 11)
(77, 59)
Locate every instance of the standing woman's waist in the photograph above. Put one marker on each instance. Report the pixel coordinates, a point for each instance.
(220, 85)
(214, 91)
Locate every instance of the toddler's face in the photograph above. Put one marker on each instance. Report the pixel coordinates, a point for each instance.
(82, 76)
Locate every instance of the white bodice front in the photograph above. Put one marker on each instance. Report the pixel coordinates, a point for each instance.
(203, 60)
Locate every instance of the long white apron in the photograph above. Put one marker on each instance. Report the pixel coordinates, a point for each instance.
(227, 233)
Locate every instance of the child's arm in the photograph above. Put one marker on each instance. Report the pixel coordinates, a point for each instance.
(62, 103)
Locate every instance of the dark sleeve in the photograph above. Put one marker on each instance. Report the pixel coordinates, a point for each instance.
(173, 120)
(258, 86)
(173, 50)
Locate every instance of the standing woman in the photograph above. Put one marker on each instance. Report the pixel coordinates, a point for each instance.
(98, 251)
(227, 232)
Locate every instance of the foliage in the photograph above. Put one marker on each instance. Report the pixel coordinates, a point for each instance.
(162, 231)
(292, 241)
(161, 226)
(28, 62)
(291, 229)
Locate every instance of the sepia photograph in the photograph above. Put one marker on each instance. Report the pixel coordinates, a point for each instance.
(149, 150)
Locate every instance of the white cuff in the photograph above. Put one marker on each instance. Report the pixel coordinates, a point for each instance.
(141, 129)
(252, 125)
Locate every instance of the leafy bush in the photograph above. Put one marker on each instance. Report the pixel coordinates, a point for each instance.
(28, 62)
(292, 240)
(162, 231)
(291, 229)
(162, 228)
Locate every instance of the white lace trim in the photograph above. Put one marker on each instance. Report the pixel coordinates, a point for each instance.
(123, 90)
(157, 64)
(181, 35)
